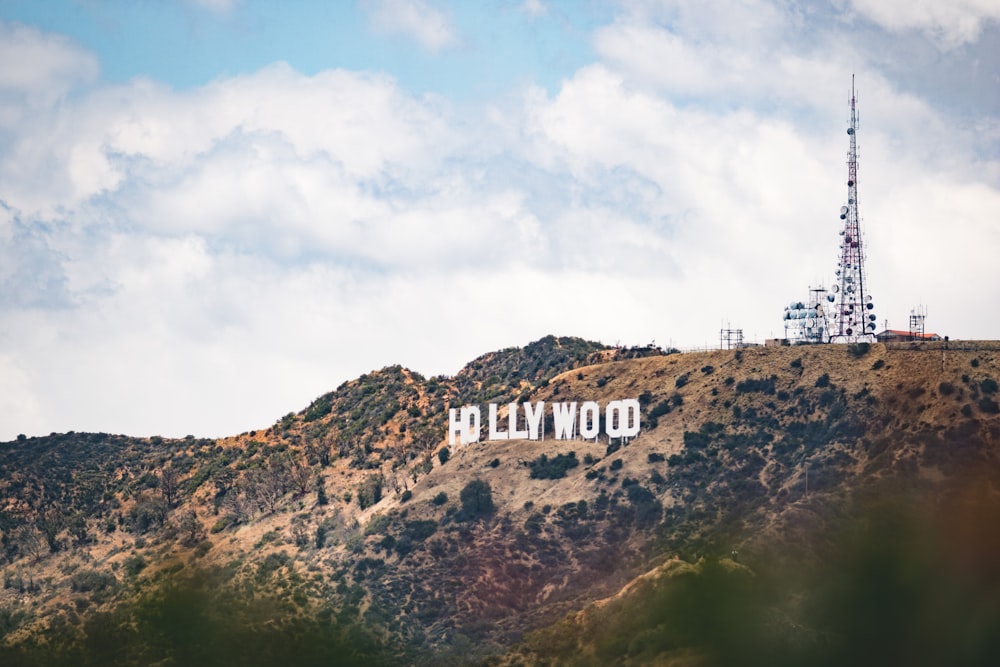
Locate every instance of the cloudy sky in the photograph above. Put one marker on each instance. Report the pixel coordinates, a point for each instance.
(212, 211)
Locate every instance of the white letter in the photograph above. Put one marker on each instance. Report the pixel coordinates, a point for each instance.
(512, 424)
(590, 420)
(470, 431)
(454, 426)
(630, 429)
(622, 418)
(494, 433)
(533, 415)
(613, 419)
(564, 419)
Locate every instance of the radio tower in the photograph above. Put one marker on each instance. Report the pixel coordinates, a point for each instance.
(853, 318)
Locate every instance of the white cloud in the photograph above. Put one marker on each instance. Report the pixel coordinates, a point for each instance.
(206, 260)
(41, 64)
(428, 26)
(36, 70)
(534, 8)
(950, 24)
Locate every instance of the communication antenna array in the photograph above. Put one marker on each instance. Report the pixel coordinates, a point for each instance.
(917, 318)
(852, 312)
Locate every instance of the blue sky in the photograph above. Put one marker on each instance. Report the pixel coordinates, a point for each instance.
(494, 46)
(213, 211)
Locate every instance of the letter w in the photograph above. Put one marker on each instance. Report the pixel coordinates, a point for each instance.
(564, 420)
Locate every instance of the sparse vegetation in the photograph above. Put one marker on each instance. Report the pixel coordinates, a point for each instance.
(858, 349)
(759, 385)
(92, 521)
(555, 468)
(477, 499)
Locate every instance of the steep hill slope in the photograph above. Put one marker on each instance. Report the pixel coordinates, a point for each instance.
(349, 511)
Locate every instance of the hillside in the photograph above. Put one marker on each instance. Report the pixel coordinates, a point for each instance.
(352, 524)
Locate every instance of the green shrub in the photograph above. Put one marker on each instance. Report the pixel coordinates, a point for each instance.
(440, 499)
(545, 468)
(221, 524)
(858, 349)
(443, 455)
(761, 385)
(203, 548)
(92, 581)
(377, 524)
(660, 409)
(370, 490)
(696, 440)
(989, 406)
(477, 499)
(134, 565)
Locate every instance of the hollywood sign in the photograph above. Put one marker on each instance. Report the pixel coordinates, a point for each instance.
(621, 420)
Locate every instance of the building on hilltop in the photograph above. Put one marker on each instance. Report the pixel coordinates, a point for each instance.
(899, 335)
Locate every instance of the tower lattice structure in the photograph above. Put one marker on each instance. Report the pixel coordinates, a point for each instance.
(853, 317)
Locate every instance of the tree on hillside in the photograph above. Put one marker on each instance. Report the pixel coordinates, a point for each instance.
(190, 528)
(477, 499)
(370, 490)
(31, 543)
(169, 483)
(51, 522)
(300, 476)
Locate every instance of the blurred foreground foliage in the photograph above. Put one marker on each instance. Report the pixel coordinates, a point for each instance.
(900, 583)
(192, 620)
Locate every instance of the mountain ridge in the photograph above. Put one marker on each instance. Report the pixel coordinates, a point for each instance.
(350, 507)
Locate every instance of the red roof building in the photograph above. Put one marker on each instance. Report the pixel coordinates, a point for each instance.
(897, 335)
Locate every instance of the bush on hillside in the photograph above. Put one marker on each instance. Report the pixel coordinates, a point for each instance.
(759, 385)
(477, 499)
(545, 468)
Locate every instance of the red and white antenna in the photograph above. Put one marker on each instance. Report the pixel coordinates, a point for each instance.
(853, 313)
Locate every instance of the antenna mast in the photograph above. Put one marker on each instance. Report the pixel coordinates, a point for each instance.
(853, 317)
